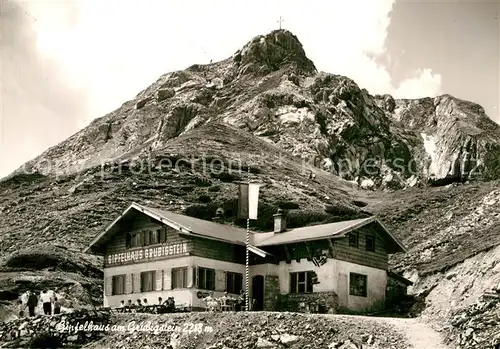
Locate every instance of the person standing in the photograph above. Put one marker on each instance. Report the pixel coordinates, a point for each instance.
(57, 306)
(32, 303)
(21, 307)
(242, 301)
(46, 302)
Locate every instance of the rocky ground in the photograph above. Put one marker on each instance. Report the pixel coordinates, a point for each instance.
(100, 329)
(53, 331)
(477, 326)
(255, 330)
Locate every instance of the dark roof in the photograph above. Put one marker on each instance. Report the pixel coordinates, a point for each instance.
(399, 278)
(314, 232)
(222, 232)
(203, 228)
(184, 224)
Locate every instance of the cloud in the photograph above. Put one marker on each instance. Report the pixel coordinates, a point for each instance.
(81, 59)
(37, 106)
(358, 35)
(424, 84)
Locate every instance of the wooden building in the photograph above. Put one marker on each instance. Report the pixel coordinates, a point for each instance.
(150, 253)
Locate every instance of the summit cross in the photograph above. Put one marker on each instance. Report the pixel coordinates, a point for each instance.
(279, 21)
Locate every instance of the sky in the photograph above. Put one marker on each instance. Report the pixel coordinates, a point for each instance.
(65, 63)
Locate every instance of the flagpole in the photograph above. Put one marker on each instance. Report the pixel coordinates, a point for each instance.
(247, 280)
(247, 256)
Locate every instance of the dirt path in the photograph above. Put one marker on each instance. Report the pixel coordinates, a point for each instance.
(419, 334)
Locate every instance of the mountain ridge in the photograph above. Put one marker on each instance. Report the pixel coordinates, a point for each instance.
(270, 88)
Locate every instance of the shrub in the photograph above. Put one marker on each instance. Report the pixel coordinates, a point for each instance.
(226, 176)
(202, 182)
(288, 205)
(204, 198)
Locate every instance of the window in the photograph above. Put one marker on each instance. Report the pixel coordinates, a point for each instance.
(147, 238)
(128, 241)
(302, 282)
(136, 240)
(148, 281)
(155, 237)
(370, 243)
(118, 284)
(163, 235)
(179, 277)
(234, 282)
(206, 279)
(353, 240)
(357, 284)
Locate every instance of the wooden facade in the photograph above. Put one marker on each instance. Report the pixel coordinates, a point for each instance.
(334, 248)
(194, 246)
(217, 250)
(378, 259)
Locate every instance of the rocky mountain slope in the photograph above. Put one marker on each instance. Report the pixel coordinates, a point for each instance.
(271, 89)
(184, 141)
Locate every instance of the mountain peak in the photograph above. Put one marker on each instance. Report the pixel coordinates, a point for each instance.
(274, 51)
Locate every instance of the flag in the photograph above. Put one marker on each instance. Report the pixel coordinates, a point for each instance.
(248, 200)
(257, 251)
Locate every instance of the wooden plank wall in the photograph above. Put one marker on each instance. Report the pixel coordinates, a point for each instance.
(218, 250)
(377, 259)
(117, 244)
(341, 250)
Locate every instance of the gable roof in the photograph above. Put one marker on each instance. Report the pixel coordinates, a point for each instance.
(314, 232)
(185, 225)
(191, 226)
(326, 231)
(203, 228)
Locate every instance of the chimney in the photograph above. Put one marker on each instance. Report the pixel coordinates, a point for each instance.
(279, 222)
(219, 215)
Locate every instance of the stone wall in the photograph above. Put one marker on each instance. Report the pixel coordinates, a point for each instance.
(55, 331)
(316, 302)
(271, 292)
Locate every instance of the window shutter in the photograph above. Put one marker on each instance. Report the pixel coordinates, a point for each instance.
(159, 280)
(220, 280)
(190, 277)
(195, 277)
(167, 279)
(108, 286)
(137, 283)
(128, 283)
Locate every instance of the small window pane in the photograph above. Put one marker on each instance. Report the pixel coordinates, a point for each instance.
(357, 284)
(353, 240)
(370, 243)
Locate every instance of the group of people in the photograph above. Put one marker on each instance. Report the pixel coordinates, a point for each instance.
(167, 306)
(235, 303)
(50, 304)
